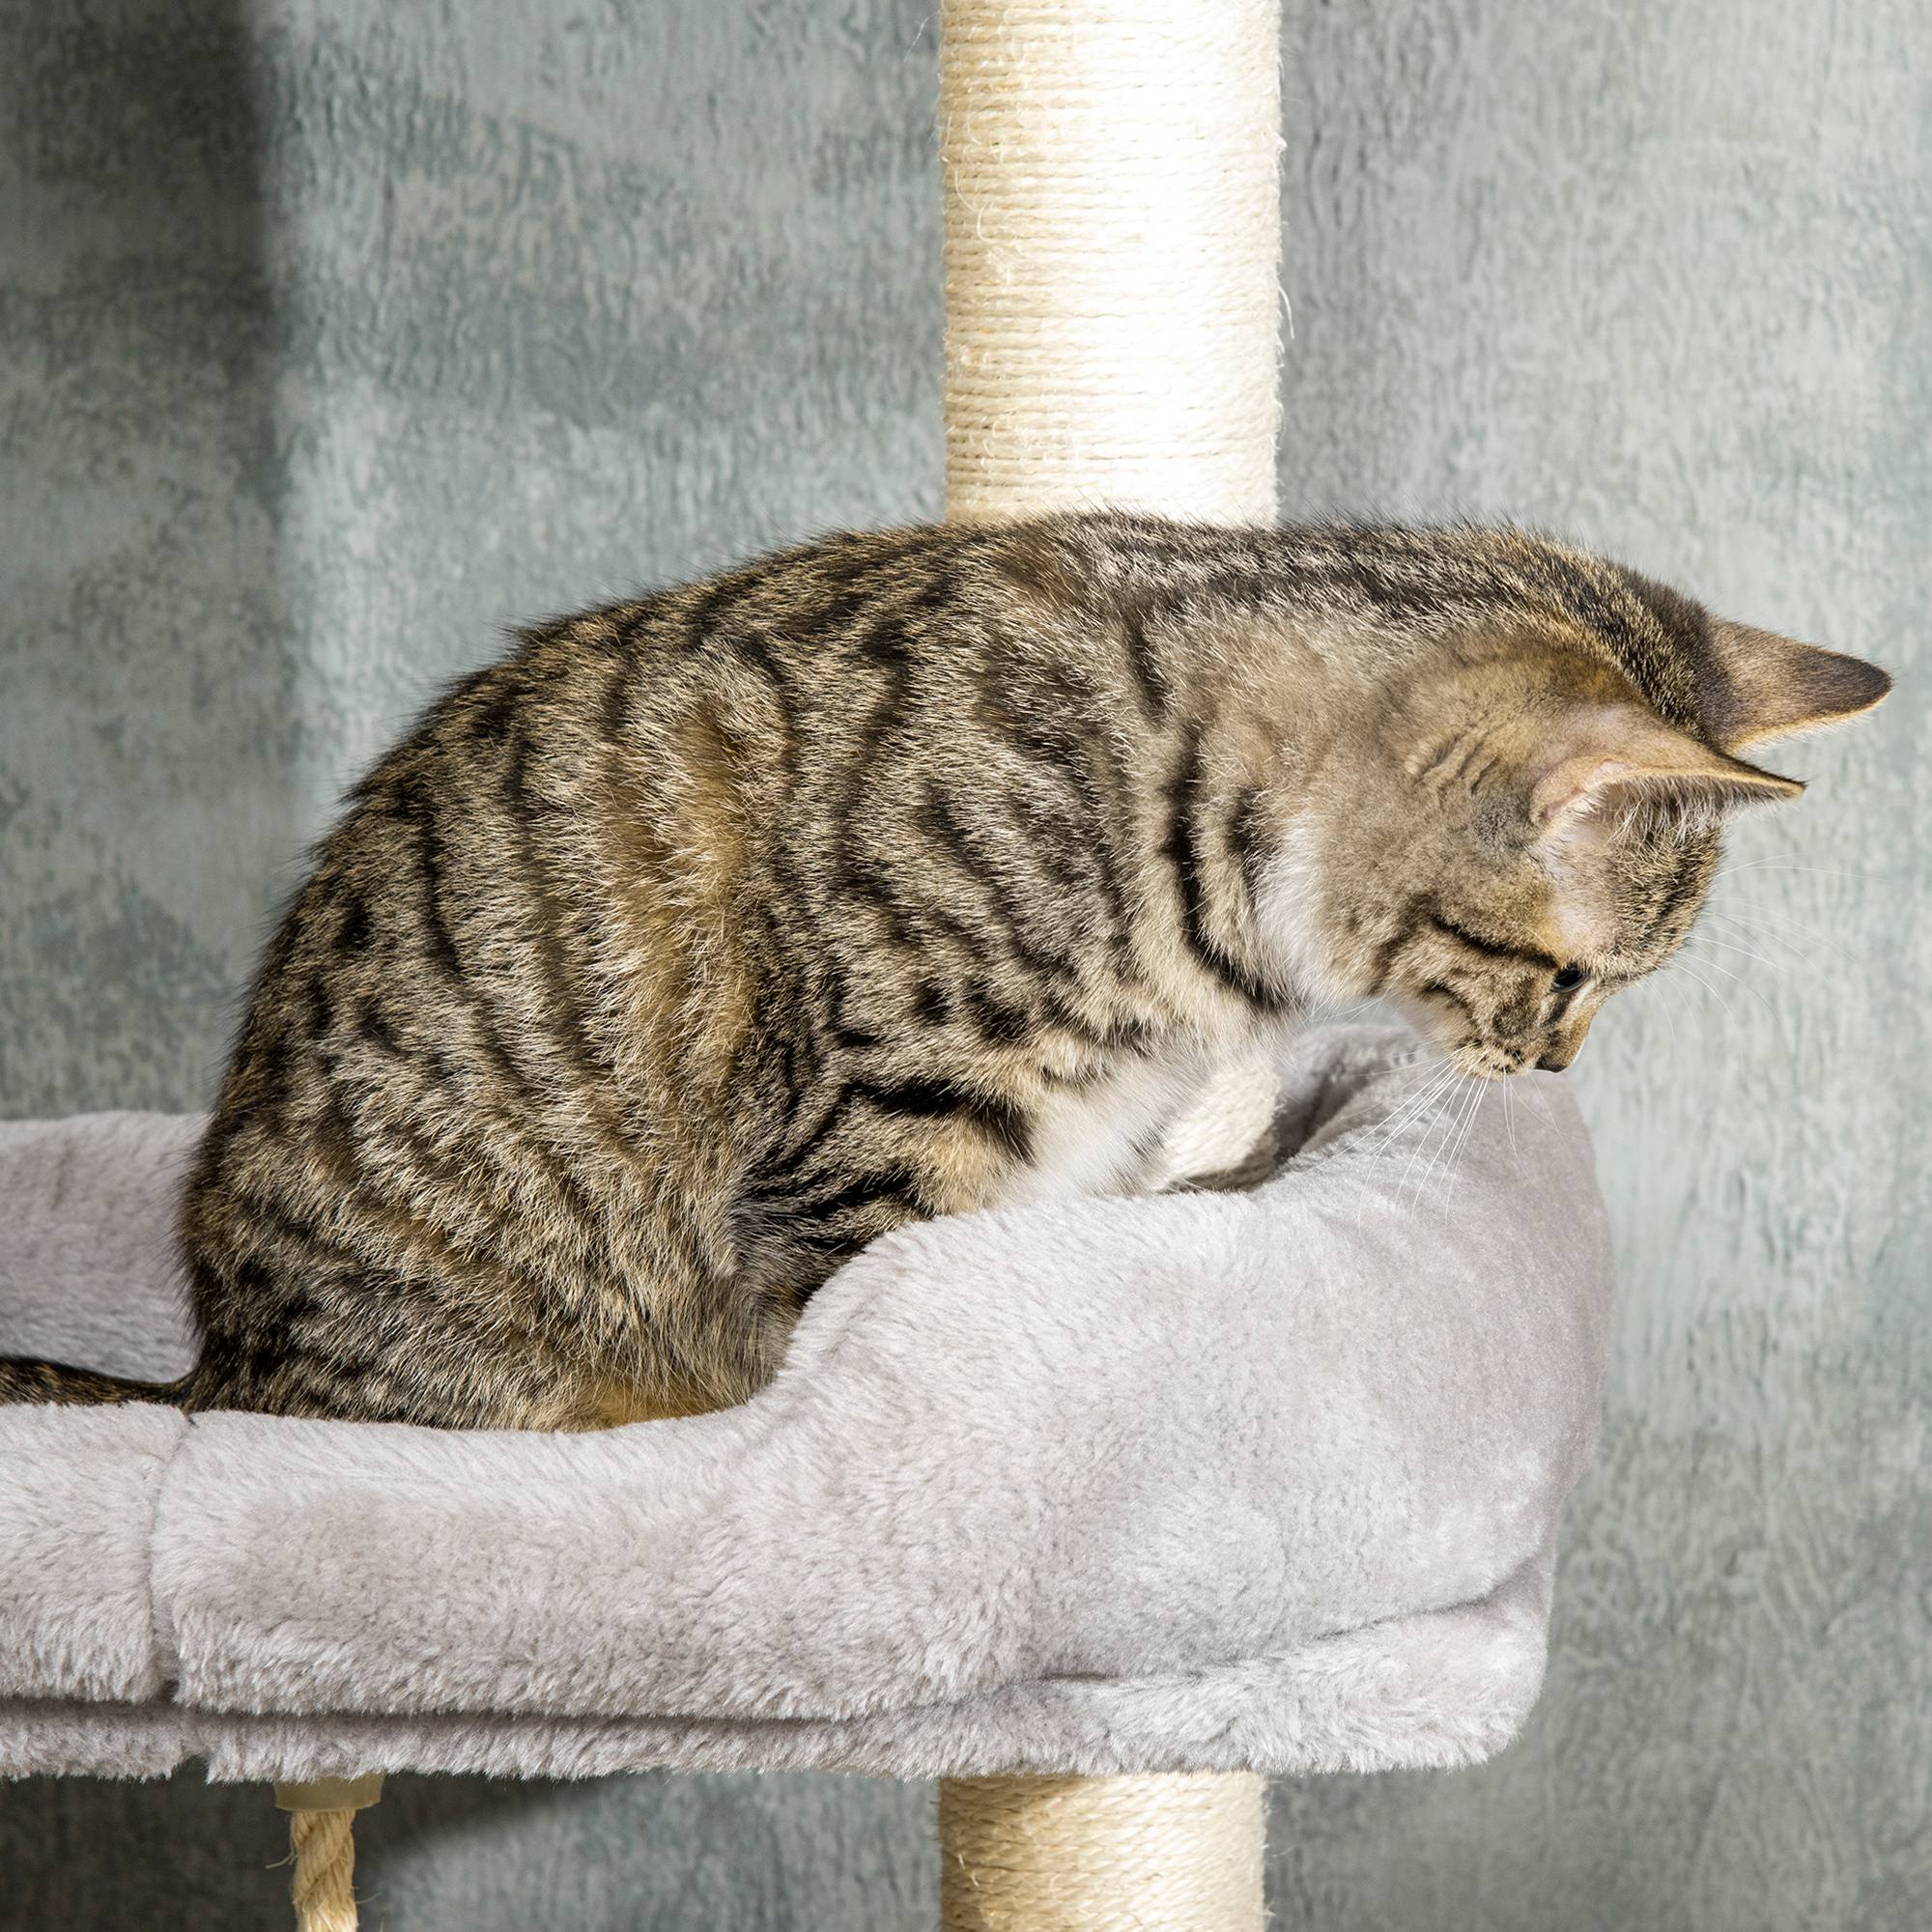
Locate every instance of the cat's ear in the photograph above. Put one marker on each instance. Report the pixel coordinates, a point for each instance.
(1756, 685)
(1600, 758)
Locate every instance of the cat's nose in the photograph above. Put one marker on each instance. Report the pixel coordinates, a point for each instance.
(1555, 1063)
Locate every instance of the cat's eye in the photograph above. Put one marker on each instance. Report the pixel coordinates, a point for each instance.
(1567, 976)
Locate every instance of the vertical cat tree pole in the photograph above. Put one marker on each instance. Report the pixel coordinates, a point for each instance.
(1111, 240)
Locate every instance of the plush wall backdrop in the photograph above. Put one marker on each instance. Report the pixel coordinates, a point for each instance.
(333, 337)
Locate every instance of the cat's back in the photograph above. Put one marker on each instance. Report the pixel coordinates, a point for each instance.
(558, 901)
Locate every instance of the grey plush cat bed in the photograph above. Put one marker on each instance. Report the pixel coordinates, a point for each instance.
(1262, 1479)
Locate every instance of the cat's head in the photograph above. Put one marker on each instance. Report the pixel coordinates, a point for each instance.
(1530, 818)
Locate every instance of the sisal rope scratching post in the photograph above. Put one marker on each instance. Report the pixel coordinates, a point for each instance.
(322, 1841)
(1112, 252)
(1112, 245)
(1101, 1854)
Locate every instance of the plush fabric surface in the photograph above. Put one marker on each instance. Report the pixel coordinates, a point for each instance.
(1262, 1478)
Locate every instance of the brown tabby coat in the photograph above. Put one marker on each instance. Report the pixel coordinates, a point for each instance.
(707, 937)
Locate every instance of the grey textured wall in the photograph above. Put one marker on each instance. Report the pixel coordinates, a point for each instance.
(332, 337)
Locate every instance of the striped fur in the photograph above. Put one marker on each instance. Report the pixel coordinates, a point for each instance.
(707, 937)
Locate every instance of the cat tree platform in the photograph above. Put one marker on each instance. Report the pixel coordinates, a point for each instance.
(1190, 1487)
(1261, 1480)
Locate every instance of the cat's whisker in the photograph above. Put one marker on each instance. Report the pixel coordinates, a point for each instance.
(1425, 1103)
(1444, 1120)
(1392, 1134)
(1533, 1106)
(1684, 1006)
(1733, 907)
(1781, 865)
(1755, 929)
(1466, 1121)
(1730, 1010)
(1401, 1186)
(1779, 929)
(1438, 1069)
(1483, 1090)
(1662, 984)
(1775, 966)
(1416, 1104)
(1351, 1010)
(1718, 966)
(1422, 1057)
(1736, 945)
(1408, 1112)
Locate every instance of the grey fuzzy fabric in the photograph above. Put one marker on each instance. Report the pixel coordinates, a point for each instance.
(1211, 1480)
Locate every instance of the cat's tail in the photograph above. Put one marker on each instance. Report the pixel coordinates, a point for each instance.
(23, 1380)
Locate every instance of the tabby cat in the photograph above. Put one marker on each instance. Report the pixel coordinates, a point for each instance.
(707, 937)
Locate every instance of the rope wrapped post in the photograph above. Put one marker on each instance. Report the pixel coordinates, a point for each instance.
(1101, 1854)
(1113, 255)
(1110, 171)
(322, 1841)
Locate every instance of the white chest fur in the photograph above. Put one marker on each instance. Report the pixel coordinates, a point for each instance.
(1102, 1139)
